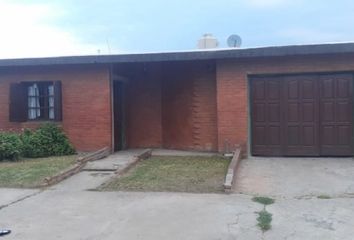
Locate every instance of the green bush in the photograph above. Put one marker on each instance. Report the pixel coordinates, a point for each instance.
(10, 146)
(47, 140)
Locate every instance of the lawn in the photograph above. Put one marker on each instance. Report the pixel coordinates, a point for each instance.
(175, 174)
(29, 173)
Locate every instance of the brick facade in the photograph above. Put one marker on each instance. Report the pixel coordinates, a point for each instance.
(232, 88)
(85, 99)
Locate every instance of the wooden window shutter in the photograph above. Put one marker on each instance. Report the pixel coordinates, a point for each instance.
(58, 116)
(18, 103)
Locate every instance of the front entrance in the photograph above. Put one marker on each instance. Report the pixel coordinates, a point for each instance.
(302, 115)
(118, 115)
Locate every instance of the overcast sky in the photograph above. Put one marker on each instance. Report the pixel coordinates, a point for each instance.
(79, 27)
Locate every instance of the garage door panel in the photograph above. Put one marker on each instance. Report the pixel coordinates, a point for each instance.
(293, 112)
(343, 137)
(336, 114)
(274, 135)
(308, 110)
(343, 88)
(293, 135)
(327, 112)
(273, 90)
(309, 133)
(259, 113)
(259, 135)
(266, 125)
(293, 89)
(308, 89)
(327, 135)
(258, 90)
(273, 112)
(327, 88)
(301, 118)
(343, 112)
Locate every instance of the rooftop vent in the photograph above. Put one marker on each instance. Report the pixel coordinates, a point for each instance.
(208, 41)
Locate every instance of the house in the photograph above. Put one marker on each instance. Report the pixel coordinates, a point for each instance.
(273, 101)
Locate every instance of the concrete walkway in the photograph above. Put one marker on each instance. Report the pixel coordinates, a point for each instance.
(85, 180)
(98, 172)
(114, 162)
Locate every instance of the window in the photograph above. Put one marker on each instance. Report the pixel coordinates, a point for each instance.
(31, 101)
(40, 101)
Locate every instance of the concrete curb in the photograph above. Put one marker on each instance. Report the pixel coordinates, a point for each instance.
(142, 156)
(231, 171)
(49, 181)
(100, 154)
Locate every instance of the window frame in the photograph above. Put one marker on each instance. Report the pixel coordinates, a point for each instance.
(19, 101)
(44, 110)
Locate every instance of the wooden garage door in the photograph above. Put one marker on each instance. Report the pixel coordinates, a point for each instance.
(302, 115)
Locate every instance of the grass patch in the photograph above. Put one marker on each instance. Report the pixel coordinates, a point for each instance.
(324, 197)
(264, 220)
(263, 200)
(30, 173)
(174, 174)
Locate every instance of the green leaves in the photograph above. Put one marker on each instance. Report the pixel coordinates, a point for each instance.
(264, 220)
(10, 146)
(47, 140)
(263, 200)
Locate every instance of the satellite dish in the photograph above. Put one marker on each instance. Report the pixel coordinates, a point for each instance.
(234, 41)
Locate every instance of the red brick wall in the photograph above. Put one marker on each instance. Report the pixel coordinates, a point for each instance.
(204, 107)
(189, 106)
(177, 98)
(86, 102)
(232, 87)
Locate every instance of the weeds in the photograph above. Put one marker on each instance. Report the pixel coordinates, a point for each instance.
(323, 197)
(264, 220)
(263, 200)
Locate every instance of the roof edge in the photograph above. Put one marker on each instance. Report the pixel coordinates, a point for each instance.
(209, 54)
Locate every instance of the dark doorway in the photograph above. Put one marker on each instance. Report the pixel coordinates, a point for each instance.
(302, 115)
(119, 115)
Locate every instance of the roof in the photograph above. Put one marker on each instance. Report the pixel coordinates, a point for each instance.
(208, 54)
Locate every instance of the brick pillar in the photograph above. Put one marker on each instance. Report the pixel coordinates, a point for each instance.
(231, 95)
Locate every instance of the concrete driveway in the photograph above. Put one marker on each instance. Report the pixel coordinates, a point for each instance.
(150, 216)
(296, 177)
(67, 212)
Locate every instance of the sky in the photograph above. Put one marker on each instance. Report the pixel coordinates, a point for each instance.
(39, 28)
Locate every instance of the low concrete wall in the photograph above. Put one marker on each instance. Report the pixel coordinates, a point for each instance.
(100, 154)
(142, 156)
(231, 171)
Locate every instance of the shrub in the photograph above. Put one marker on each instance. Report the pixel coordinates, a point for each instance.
(10, 146)
(47, 140)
